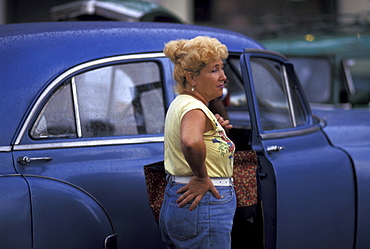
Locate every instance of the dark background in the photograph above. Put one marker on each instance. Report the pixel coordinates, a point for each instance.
(256, 18)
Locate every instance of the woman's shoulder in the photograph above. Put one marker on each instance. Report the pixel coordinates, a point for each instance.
(187, 100)
(184, 103)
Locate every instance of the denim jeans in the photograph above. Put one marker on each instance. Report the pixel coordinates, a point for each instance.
(208, 226)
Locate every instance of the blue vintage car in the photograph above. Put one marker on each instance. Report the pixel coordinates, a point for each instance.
(83, 107)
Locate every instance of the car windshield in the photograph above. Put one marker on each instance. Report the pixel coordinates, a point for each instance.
(315, 77)
(358, 74)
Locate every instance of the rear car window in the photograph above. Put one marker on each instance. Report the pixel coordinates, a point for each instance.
(124, 99)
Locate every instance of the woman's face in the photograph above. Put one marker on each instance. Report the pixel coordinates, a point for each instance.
(211, 80)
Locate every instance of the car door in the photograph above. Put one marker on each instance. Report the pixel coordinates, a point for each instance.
(307, 187)
(95, 127)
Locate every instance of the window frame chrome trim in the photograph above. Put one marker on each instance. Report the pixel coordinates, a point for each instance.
(290, 133)
(76, 107)
(73, 70)
(289, 96)
(88, 143)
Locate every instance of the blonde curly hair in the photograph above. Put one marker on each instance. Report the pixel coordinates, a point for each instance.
(192, 56)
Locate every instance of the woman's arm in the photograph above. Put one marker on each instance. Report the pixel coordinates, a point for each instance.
(193, 125)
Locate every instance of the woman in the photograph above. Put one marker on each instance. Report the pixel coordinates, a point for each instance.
(200, 202)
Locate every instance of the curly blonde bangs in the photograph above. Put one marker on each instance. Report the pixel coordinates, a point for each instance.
(193, 55)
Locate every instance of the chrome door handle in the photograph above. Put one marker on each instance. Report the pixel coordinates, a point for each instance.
(274, 148)
(25, 159)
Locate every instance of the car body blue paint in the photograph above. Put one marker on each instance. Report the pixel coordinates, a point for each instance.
(349, 130)
(59, 206)
(15, 211)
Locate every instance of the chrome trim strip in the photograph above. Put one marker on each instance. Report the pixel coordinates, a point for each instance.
(348, 75)
(43, 146)
(289, 93)
(73, 70)
(292, 133)
(110, 242)
(5, 148)
(76, 107)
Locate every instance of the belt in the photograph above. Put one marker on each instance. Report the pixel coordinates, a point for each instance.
(217, 181)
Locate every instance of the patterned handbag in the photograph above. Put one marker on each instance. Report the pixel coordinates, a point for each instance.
(155, 177)
(244, 175)
(245, 180)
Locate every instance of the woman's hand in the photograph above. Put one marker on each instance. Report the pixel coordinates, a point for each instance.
(224, 123)
(195, 190)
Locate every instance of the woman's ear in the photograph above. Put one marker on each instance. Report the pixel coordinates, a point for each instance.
(190, 78)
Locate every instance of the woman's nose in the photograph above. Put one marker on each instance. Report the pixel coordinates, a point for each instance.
(223, 76)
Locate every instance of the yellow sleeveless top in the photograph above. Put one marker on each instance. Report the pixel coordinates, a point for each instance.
(220, 149)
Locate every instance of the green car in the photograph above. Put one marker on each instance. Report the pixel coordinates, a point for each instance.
(332, 68)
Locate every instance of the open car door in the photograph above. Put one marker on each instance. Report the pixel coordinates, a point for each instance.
(307, 186)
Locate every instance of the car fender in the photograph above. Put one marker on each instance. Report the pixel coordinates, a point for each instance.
(15, 213)
(65, 216)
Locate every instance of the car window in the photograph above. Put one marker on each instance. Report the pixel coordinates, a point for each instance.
(235, 84)
(278, 100)
(236, 101)
(358, 75)
(315, 77)
(57, 118)
(124, 99)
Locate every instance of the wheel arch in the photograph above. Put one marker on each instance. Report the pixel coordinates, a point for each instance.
(67, 216)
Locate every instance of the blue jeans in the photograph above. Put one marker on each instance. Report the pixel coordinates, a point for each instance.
(207, 226)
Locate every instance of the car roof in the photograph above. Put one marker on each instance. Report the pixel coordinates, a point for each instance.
(33, 54)
(152, 36)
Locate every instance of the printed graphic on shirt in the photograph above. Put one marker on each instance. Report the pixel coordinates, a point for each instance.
(226, 146)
